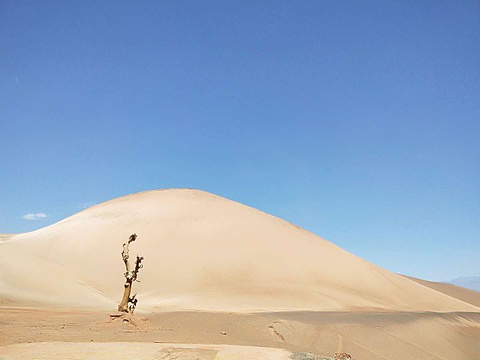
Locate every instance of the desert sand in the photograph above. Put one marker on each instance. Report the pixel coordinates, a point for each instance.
(466, 295)
(221, 281)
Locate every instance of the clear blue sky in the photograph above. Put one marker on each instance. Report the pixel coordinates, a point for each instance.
(359, 121)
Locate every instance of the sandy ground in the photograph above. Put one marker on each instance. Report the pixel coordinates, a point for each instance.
(145, 351)
(34, 334)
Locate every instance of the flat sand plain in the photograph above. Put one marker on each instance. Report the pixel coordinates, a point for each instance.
(36, 334)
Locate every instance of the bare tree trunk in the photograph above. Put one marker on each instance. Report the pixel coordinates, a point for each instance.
(130, 277)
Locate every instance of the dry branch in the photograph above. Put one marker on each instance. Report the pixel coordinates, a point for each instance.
(128, 302)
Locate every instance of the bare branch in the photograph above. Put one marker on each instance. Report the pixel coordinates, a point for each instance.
(130, 276)
(138, 266)
(125, 255)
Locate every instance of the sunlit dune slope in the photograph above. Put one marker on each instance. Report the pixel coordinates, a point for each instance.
(201, 252)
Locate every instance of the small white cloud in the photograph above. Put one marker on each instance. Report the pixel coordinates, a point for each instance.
(34, 216)
(86, 205)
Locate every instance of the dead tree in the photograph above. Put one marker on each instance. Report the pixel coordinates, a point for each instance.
(128, 302)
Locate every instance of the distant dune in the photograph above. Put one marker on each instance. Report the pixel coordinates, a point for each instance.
(466, 295)
(201, 252)
(469, 282)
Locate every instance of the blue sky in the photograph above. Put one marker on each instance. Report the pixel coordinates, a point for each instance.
(358, 121)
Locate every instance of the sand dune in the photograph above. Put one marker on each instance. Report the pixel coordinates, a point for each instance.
(457, 292)
(201, 252)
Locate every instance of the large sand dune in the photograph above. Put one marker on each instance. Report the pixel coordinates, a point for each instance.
(201, 252)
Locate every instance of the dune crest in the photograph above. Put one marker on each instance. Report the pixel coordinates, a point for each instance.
(201, 252)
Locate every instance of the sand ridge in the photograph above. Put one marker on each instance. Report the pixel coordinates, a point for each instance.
(467, 295)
